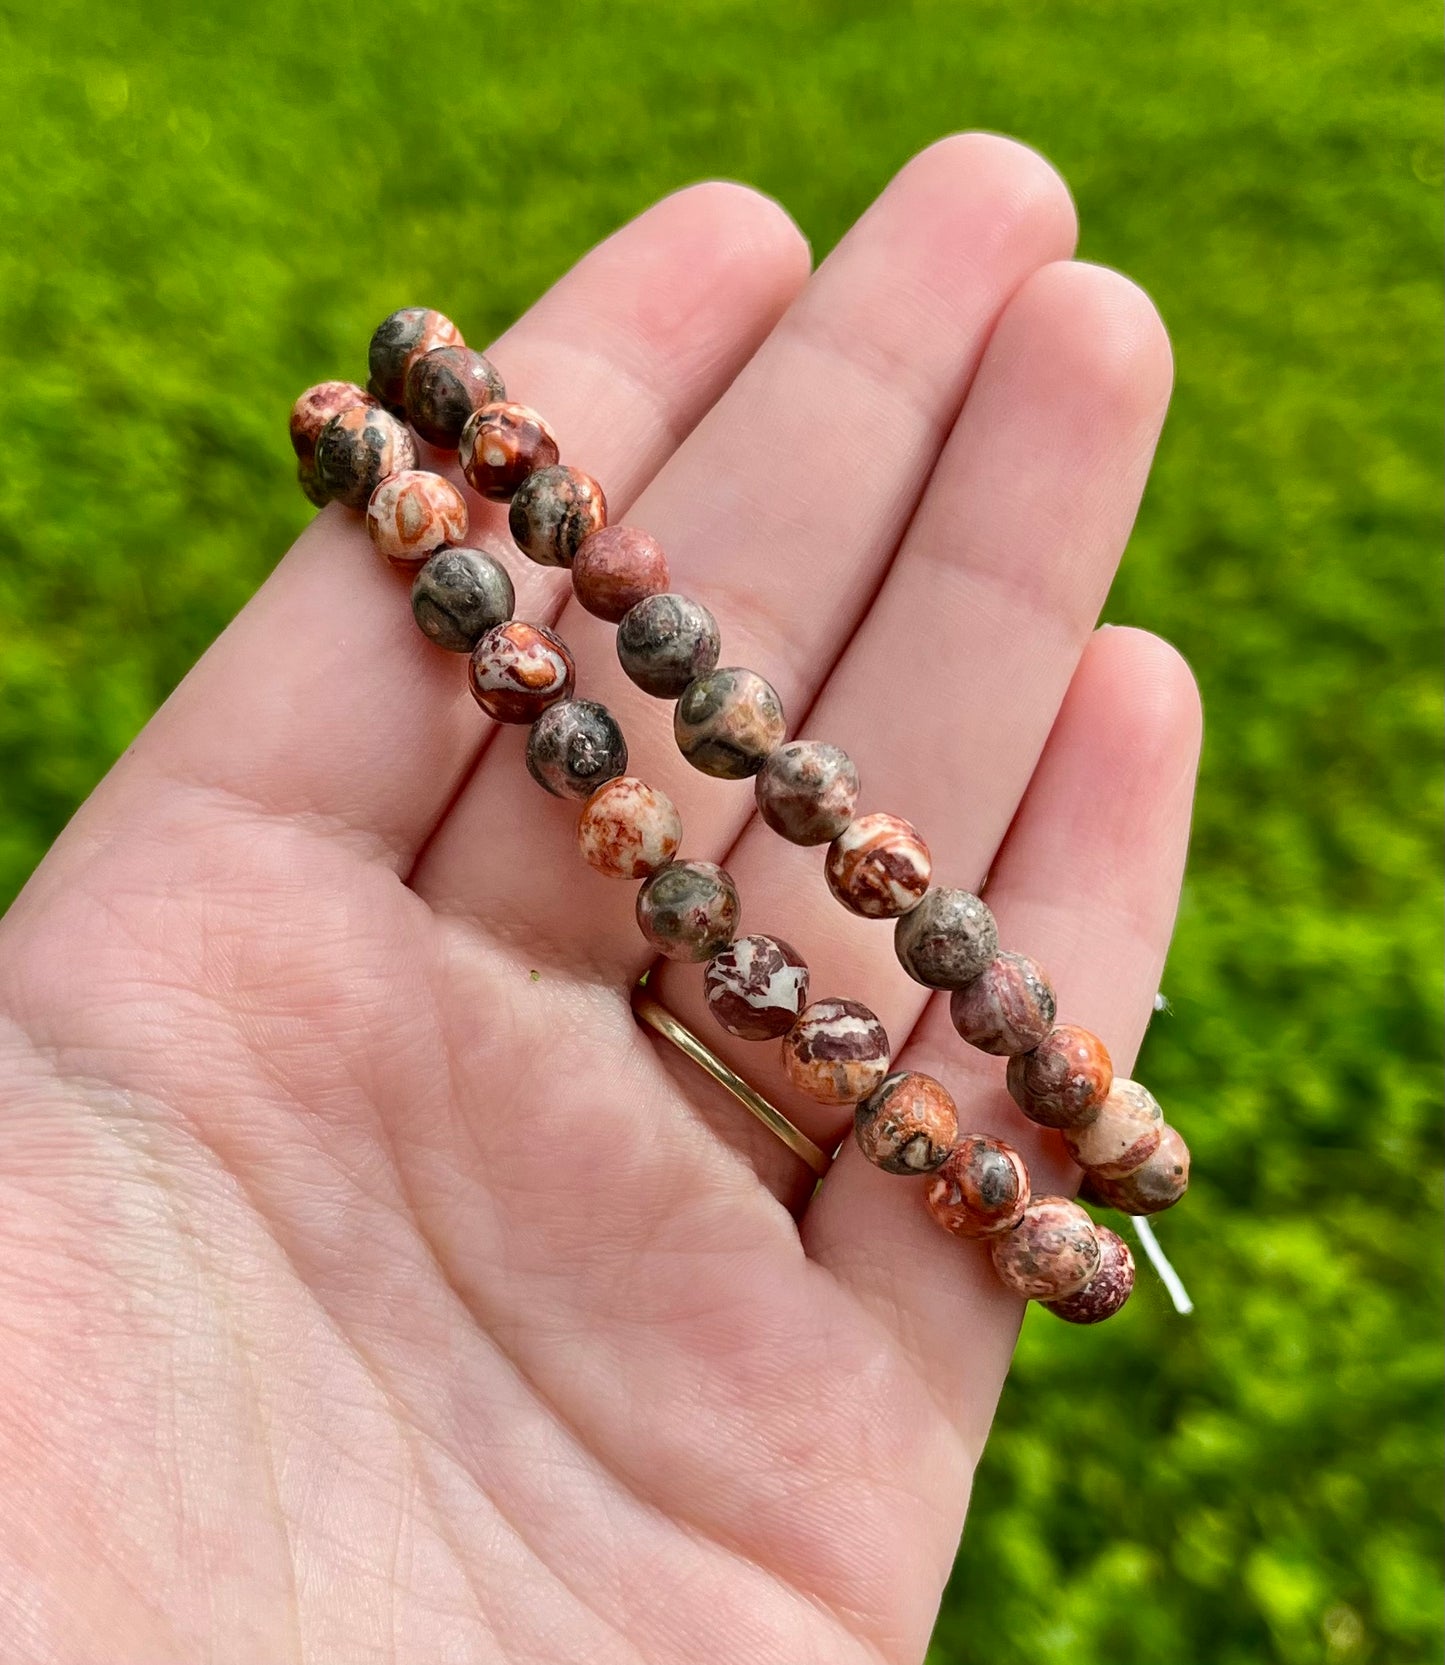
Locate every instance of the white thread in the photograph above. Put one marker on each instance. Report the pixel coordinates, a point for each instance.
(1160, 1262)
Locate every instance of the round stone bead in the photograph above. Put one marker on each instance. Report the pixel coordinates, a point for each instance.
(1156, 1185)
(459, 595)
(1123, 1136)
(357, 449)
(665, 642)
(1008, 1008)
(907, 1124)
(1108, 1289)
(627, 830)
(501, 445)
(412, 514)
(837, 1052)
(689, 910)
(727, 722)
(756, 987)
(1064, 1081)
(982, 1188)
(518, 670)
(553, 511)
(445, 387)
(879, 866)
(315, 408)
(806, 791)
(574, 747)
(399, 341)
(616, 568)
(947, 940)
(1052, 1251)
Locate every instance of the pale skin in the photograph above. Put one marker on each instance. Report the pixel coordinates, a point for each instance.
(373, 1289)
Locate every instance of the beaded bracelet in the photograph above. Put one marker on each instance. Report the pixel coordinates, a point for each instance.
(355, 447)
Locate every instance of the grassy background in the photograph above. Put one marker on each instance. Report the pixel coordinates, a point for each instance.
(203, 214)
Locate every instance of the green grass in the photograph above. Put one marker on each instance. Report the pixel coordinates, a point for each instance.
(202, 216)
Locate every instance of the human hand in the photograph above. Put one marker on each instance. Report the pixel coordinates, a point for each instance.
(373, 1287)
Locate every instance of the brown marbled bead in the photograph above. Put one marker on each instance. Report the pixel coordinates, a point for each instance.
(1008, 1008)
(616, 568)
(1123, 1136)
(411, 514)
(688, 910)
(1108, 1289)
(519, 669)
(553, 511)
(665, 642)
(727, 722)
(357, 449)
(398, 341)
(1064, 1081)
(574, 747)
(982, 1188)
(837, 1052)
(1157, 1184)
(756, 987)
(1052, 1251)
(907, 1124)
(459, 595)
(315, 408)
(628, 830)
(806, 791)
(445, 387)
(878, 866)
(947, 940)
(501, 445)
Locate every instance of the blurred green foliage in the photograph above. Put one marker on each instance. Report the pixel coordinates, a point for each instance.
(205, 209)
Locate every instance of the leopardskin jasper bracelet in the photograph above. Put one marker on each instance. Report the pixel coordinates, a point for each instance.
(356, 447)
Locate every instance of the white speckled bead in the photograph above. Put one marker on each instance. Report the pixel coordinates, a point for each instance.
(878, 866)
(628, 830)
(756, 987)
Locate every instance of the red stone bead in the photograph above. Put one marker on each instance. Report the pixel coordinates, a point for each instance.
(837, 1052)
(398, 342)
(907, 1124)
(627, 830)
(412, 514)
(1123, 1136)
(982, 1188)
(553, 512)
(315, 408)
(756, 987)
(1007, 1009)
(1158, 1184)
(445, 388)
(1052, 1251)
(517, 670)
(615, 568)
(878, 866)
(1064, 1081)
(1108, 1289)
(501, 445)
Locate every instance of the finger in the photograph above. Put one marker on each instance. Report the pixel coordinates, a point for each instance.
(1087, 883)
(946, 694)
(781, 514)
(322, 700)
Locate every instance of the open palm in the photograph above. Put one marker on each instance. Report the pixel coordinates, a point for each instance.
(373, 1288)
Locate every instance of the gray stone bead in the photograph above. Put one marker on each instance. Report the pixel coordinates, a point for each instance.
(459, 595)
(357, 449)
(573, 747)
(728, 722)
(689, 910)
(806, 791)
(665, 641)
(947, 940)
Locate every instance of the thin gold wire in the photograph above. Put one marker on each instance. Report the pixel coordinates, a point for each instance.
(659, 1018)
